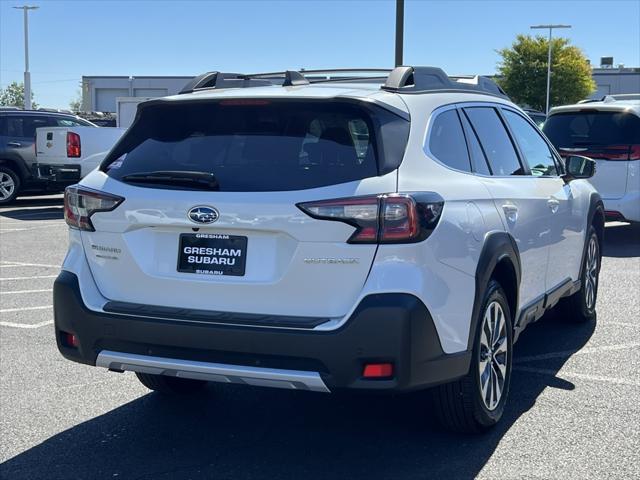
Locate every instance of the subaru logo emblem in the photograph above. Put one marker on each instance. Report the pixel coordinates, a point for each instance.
(203, 214)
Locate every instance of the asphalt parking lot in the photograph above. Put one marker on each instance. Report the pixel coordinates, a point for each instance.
(573, 411)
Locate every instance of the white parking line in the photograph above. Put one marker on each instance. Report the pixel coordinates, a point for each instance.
(26, 291)
(569, 353)
(29, 278)
(21, 264)
(583, 376)
(22, 309)
(26, 325)
(39, 227)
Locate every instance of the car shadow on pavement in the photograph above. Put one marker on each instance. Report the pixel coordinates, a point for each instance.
(622, 240)
(35, 214)
(242, 432)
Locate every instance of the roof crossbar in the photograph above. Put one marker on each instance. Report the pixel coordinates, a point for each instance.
(405, 79)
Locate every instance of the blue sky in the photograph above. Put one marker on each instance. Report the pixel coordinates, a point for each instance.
(69, 39)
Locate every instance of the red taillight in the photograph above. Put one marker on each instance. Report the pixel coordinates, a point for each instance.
(378, 370)
(80, 203)
(606, 152)
(73, 145)
(390, 218)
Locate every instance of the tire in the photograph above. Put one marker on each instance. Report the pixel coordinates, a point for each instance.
(463, 406)
(581, 306)
(9, 185)
(170, 385)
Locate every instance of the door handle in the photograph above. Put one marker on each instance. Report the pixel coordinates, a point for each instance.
(14, 144)
(511, 212)
(553, 204)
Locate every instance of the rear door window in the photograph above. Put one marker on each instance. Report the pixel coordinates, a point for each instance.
(535, 150)
(447, 143)
(24, 126)
(478, 157)
(495, 141)
(252, 144)
(592, 128)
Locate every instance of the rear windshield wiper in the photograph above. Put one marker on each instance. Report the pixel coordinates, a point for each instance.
(177, 178)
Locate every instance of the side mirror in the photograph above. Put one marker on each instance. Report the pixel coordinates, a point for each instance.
(578, 167)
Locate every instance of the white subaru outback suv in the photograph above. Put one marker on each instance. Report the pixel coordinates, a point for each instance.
(380, 230)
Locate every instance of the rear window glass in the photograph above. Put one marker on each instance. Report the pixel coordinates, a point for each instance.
(593, 127)
(252, 145)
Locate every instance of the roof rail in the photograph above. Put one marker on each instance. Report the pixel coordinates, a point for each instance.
(426, 79)
(211, 80)
(404, 79)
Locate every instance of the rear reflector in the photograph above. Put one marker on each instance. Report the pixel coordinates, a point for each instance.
(612, 216)
(70, 340)
(73, 145)
(378, 370)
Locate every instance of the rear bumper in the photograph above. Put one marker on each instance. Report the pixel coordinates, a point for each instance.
(67, 174)
(395, 328)
(623, 209)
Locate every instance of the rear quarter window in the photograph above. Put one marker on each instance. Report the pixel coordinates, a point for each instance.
(447, 142)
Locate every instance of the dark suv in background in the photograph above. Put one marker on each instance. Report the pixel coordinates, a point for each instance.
(17, 151)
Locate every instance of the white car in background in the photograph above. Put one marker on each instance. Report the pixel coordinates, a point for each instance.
(608, 131)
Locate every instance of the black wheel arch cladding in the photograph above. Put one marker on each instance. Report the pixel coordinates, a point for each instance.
(499, 254)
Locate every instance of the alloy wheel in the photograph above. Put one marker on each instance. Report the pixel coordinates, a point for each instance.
(7, 186)
(591, 273)
(492, 365)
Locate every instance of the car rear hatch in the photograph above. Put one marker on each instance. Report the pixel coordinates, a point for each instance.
(610, 137)
(209, 218)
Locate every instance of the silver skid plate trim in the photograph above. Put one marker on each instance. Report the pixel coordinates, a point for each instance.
(213, 372)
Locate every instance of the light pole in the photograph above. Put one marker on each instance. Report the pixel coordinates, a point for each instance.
(399, 31)
(550, 27)
(27, 75)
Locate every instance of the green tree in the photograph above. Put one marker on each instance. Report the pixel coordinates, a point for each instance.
(76, 104)
(13, 96)
(522, 72)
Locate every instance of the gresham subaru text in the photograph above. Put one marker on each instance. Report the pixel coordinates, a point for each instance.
(388, 230)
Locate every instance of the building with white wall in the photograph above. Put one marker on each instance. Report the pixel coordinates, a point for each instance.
(99, 93)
